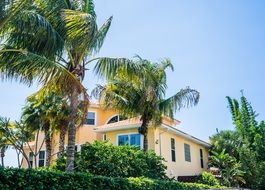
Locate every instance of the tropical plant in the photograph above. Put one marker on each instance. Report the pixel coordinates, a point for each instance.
(245, 144)
(230, 169)
(208, 179)
(143, 95)
(52, 42)
(103, 158)
(18, 136)
(4, 145)
(227, 140)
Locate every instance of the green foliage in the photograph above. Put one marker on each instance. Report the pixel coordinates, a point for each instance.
(54, 180)
(143, 95)
(208, 179)
(241, 149)
(102, 158)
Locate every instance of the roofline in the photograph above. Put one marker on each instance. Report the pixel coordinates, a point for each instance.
(168, 128)
(116, 128)
(185, 135)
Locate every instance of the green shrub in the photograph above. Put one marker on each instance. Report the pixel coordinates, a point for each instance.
(208, 179)
(102, 158)
(55, 180)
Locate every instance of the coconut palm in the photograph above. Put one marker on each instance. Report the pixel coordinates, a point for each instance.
(143, 95)
(52, 42)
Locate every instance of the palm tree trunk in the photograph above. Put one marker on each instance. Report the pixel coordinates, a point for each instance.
(2, 156)
(144, 131)
(61, 140)
(48, 144)
(72, 132)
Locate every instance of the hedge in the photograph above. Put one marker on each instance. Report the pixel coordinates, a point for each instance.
(31, 179)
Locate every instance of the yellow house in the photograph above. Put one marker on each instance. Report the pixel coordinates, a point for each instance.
(185, 155)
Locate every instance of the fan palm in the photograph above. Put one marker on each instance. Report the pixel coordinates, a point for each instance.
(38, 115)
(143, 95)
(51, 42)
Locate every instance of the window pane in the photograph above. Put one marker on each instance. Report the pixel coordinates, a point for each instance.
(187, 152)
(41, 158)
(41, 163)
(30, 156)
(42, 155)
(173, 152)
(91, 115)
(123, 140)
(113, 119)
(135, 140)
(90, 118)
(201, 158)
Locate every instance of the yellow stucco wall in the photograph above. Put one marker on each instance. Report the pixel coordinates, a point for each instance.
(181, 167)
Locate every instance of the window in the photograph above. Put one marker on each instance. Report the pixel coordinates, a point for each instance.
(201, 158)
(130, 139)
(31, 159)
(173, 150)
(116, 118)
(187, 152)
(113, 119)
(104, 137)
(41, 158)
(91, 118)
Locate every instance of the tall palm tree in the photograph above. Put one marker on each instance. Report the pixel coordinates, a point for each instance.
(52, 42)
(144, 95)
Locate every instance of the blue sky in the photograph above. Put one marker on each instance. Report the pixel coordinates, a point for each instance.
(217, 47)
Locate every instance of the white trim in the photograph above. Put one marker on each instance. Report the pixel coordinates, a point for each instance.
(185, 135)
(116, 128)
(132, 133)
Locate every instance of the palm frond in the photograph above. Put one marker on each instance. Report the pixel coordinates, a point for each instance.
(89, 7)
(26, 67)
(99, 38)
(9, 13)
(110, 67)
(184, 98)
(81, 28)
(35, 33)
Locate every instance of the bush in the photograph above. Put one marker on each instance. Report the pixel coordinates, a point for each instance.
(55, 180)
(208, 179)
(102, 158)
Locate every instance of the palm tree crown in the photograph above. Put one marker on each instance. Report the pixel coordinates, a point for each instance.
(144, 94)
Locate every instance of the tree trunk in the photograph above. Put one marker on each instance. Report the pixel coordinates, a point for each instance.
(72, 132)
(48, 143)
(144, 131)
(61, 140)
(2, 156)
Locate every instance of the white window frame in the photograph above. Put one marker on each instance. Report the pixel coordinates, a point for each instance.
(141, 138)
(45, 154)
(189, 152)
(95, 118)
(175, 149)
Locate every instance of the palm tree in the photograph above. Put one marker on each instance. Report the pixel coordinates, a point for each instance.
(37, 115)
(52, 42)
(144, 95)
(4, 145)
